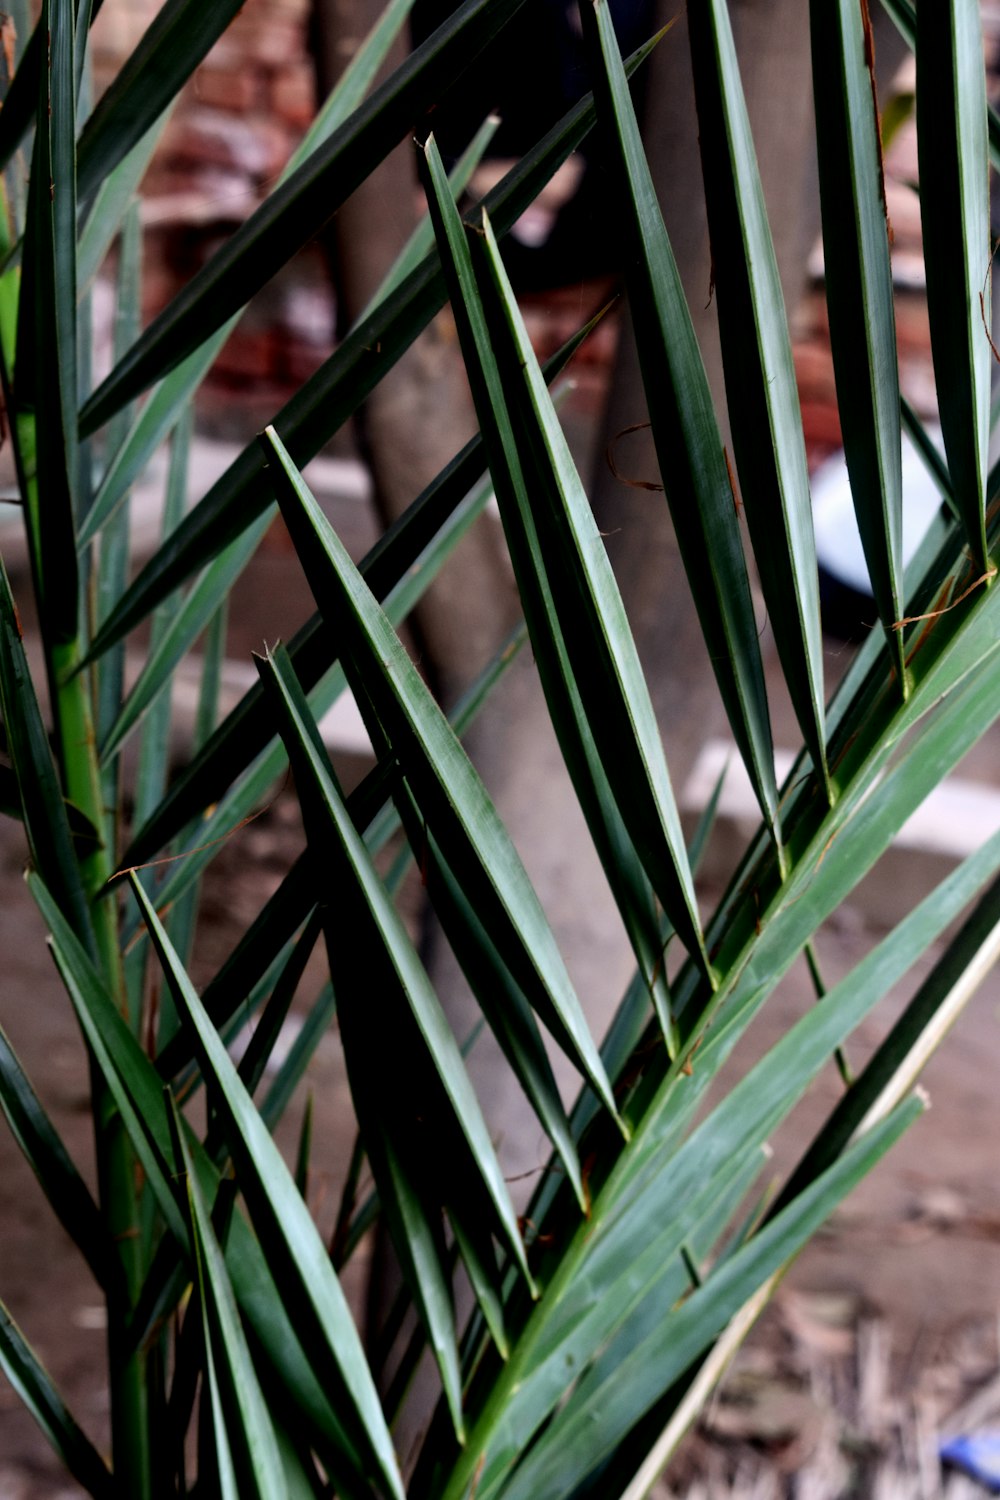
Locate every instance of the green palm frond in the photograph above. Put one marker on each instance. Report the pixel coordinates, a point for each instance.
(562, 1349)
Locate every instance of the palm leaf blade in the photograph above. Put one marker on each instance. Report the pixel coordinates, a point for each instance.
(282, 1217)
(688, 444)
(452, 798)
(859, 293)
(764, 406)
(954, 213)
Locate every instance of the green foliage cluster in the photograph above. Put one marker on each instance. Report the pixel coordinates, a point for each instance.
(592, 1340)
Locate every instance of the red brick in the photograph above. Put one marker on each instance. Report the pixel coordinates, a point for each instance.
(263, 38)
(821, 425)
(293, 94)
(234, 90)
(249, 356)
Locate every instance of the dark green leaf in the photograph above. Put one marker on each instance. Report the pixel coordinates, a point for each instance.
(180, 631)
(342, 383)
(298, 210)
(588, 1430)
(688, 444)
(172, 46)
(45, 819)
(289, 1075)
(449, 792)
(859, 293)
(34, 1385)
(46, 361)
(760, 377)
(292, 1243)
(240, 1407)
(430, 1050)
(955, 217)
(51, 1163)
(110, 207)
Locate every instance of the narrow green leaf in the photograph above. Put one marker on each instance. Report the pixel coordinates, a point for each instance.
(689, 447)
(904, 15)
(292, 1070)
(170, 49)
(586, 764)
(403, 977)
(51, 1163)
(126, 1070)
(109, 207)
(240, 799)
(504, 1007)
(154, 750)
(932, 460)
(236, 1394)
(634, 1227)
(175, 393)
(247, 729)
(304, 1151)
(276, 924)
(955, 218)
(49, 838)
(294, 899)
(764, 410)
(298, 210)
(479, 1258)
(678, 1281)
(625, 1031)
(139, 1094)
(585, 597)
(33, 1384)
(183, 914)
(21, 99)
(283, 1222)
(588, 1431)
(418, 1240)
(154, 422)
(355, 81)
(268, 1028)
(112, 565)
(185, 624)
(342, 383)
(859, 293)
(46, 360)
(921, 1028)
(449, 792)
(954, 675)
(421, 241)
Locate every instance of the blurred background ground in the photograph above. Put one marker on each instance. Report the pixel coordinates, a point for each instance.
(885, 1333)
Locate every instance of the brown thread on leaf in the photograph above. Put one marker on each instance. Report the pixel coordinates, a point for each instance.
(933, 614)
(170, 859)
(477, 1476)
(987, 285)
(687, 1066)
(866, 22)
(799, 781)
(523, 1177)
(924, 634)
(737, 502)
(634, 484)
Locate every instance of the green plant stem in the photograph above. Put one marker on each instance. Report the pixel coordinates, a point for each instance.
(116, 1158)
(127, 1365)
